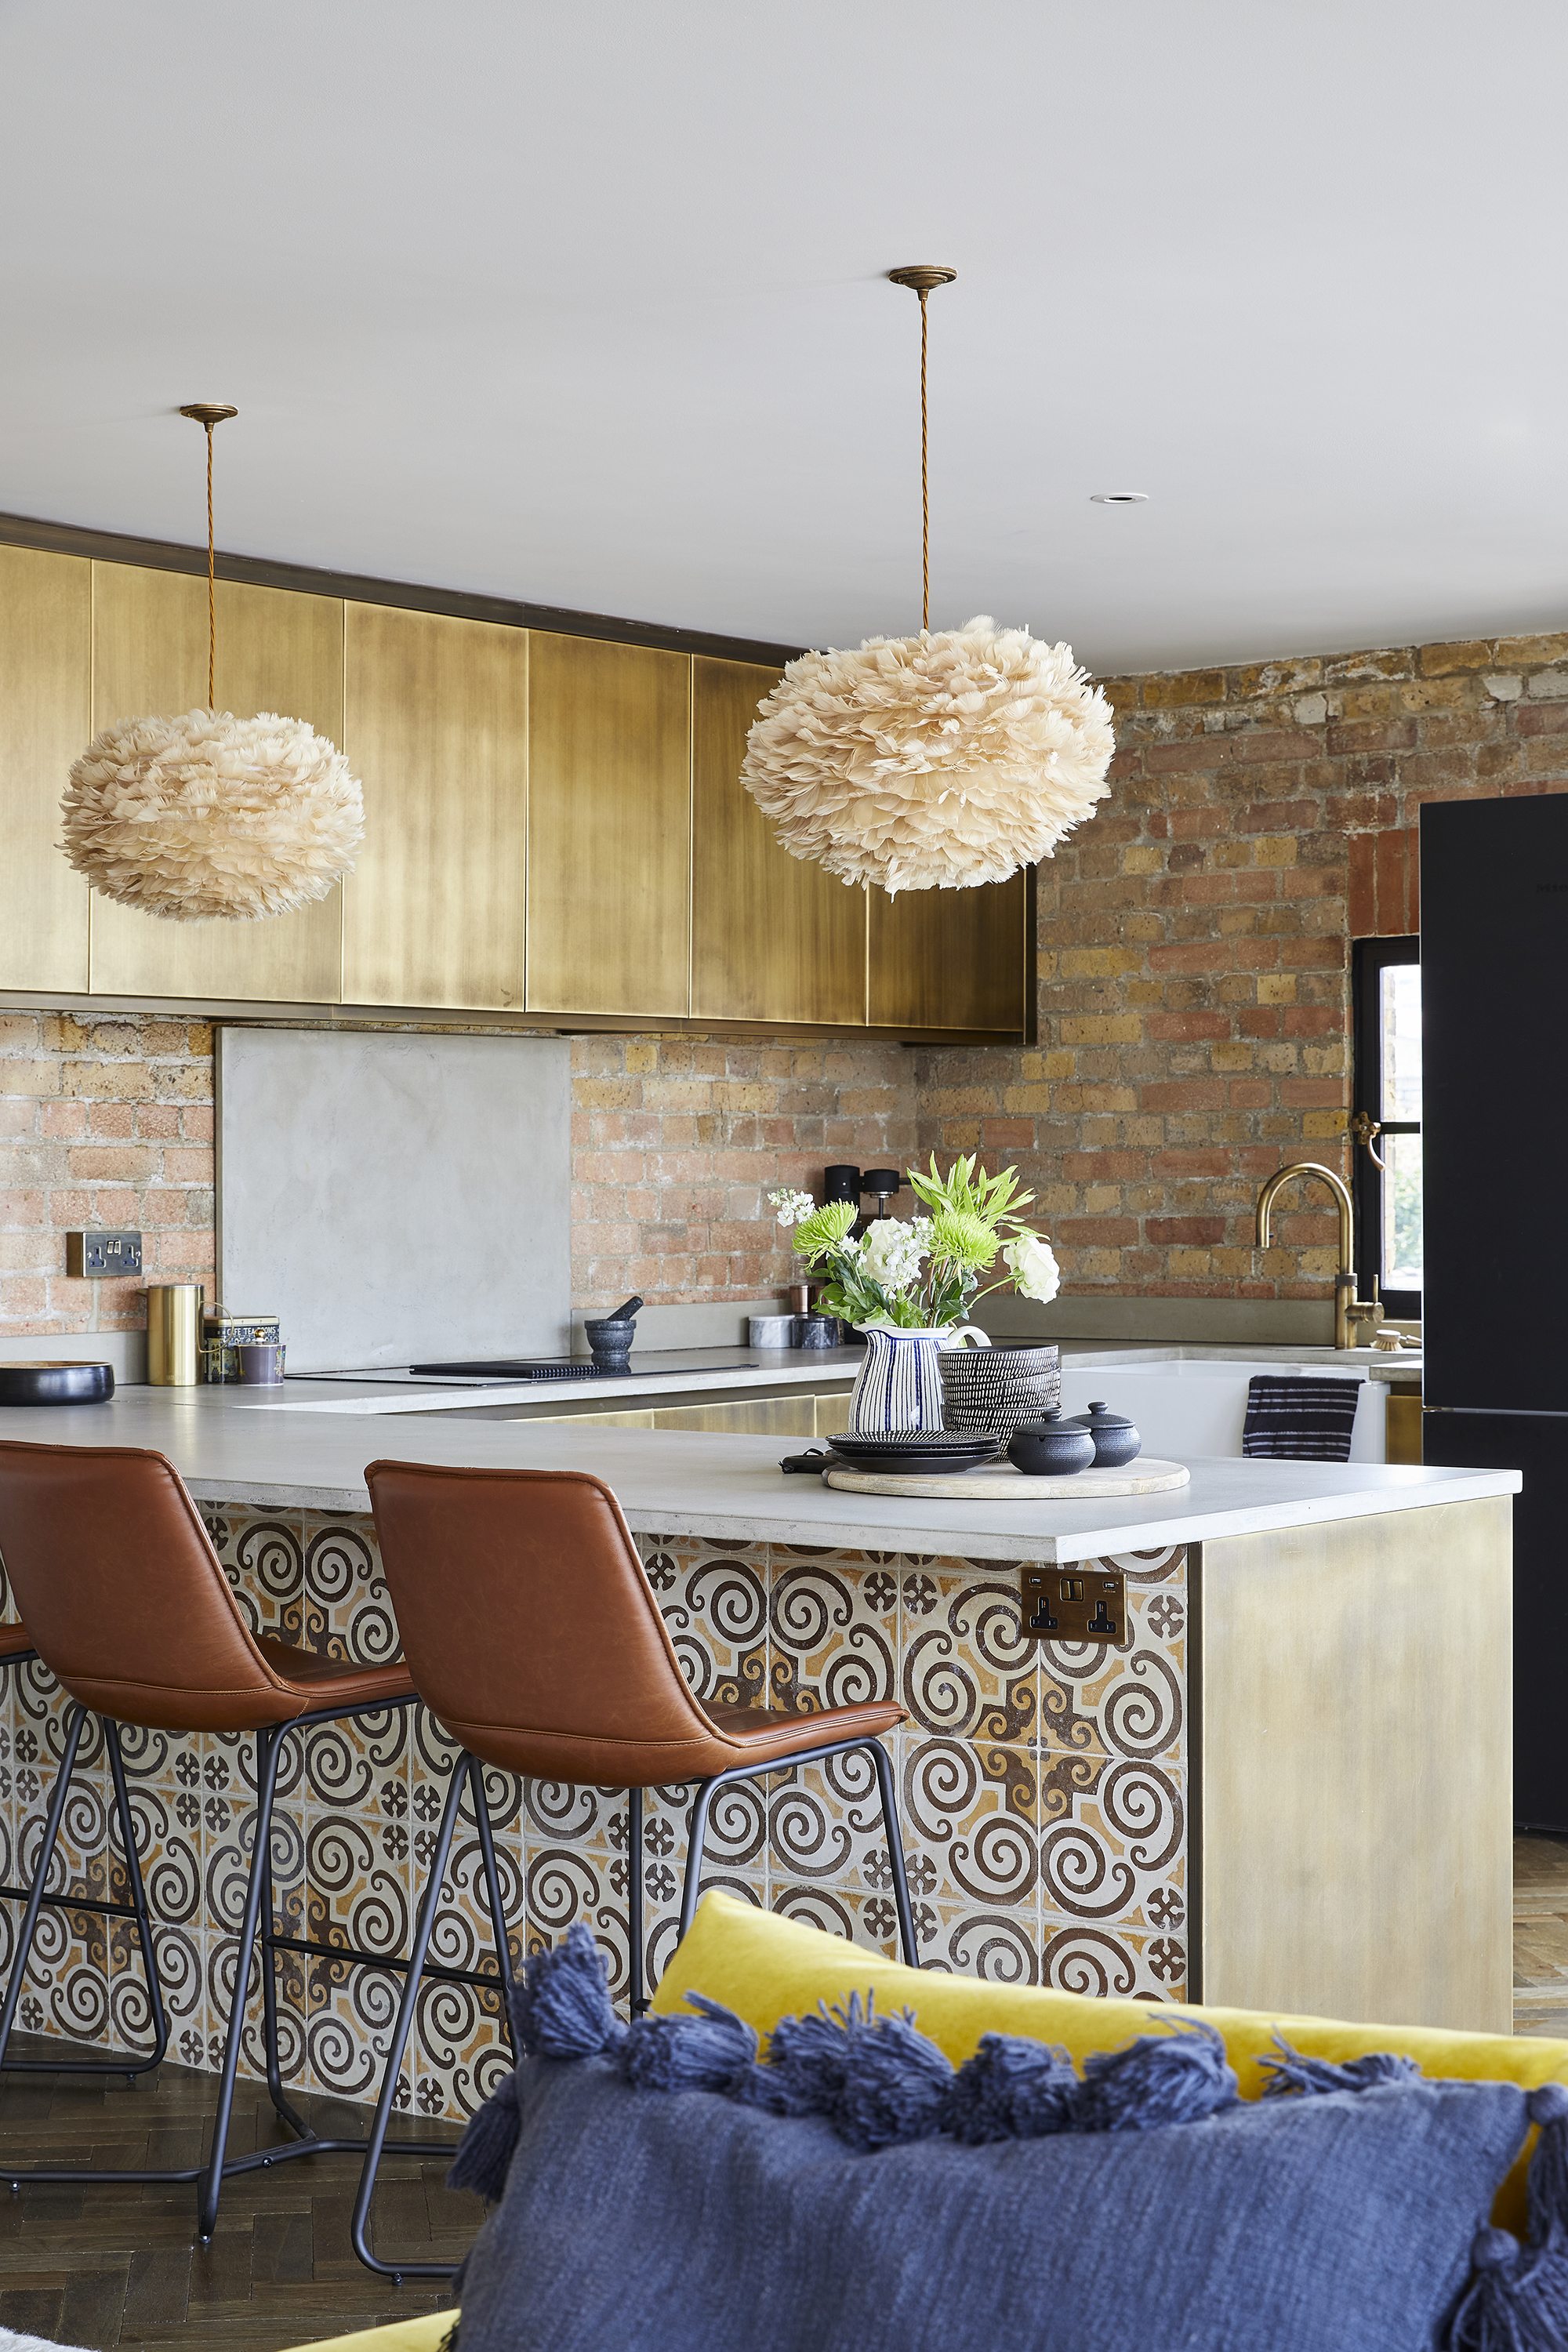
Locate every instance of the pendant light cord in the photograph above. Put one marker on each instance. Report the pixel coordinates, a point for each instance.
(925, 481)
(212, 591)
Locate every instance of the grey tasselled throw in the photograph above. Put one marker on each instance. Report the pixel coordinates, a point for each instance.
(670, 2191)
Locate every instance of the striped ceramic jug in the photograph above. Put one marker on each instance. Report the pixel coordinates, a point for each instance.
(898, 1385)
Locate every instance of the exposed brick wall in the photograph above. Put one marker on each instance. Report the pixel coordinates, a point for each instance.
(102, 1122)
(675, 1139)
(1194, 980)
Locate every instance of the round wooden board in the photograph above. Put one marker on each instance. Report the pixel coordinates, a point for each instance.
(1005, 1484)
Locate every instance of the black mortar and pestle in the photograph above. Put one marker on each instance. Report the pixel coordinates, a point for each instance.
(610, 1336)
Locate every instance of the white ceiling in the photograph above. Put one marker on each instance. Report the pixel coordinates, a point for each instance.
(583, 304)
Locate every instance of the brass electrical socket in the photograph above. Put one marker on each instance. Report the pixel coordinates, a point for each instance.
(1083, 1602)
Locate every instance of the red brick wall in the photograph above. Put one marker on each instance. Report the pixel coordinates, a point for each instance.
(1194, 984)
(675, 1139)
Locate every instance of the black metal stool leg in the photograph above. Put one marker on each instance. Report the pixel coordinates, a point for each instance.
(36, 1892)
(636, 1999)
(269, 1947)
(359, 2227)
(268, 1749)
(138, 1905)
(884, 1764)
(696, 1840)
(492, 1888)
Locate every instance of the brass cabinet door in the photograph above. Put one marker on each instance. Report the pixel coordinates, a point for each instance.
(276, 651)
(609, 827)
(46, 719)
(762, 1417)
(773, 937)
(951, 959)
(436, 722)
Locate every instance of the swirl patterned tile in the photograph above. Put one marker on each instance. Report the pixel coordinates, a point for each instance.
(965, 1670)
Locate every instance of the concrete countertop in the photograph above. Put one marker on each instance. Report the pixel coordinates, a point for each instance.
(251, 1446)
(725, 1371)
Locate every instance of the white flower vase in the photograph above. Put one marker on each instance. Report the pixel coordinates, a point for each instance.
(898, 1385)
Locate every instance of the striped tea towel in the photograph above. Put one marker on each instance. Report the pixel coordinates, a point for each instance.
(1296, 1420)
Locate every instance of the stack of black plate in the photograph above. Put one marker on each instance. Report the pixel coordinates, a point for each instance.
(916, 1452)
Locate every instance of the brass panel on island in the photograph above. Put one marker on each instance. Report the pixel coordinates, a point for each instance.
(436, 722)
(773, 937)
(46, 719)
(950, 959)
(276, 651)
(1353, 1767)
(609, 828)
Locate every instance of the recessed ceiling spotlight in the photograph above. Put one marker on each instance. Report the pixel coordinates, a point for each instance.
(1118, 498)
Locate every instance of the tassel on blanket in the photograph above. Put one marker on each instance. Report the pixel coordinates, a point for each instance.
(1291, 2072)
(1011, 2089)
(484, 2152)
(896, 2082)
(705, 2053)
(803, 2072)
(560, 2005)
(1517, 2299)
(879, 2080)
(1168, 2078)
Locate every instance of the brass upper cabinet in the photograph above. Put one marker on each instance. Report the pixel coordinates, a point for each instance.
(772, 938)
(45, 719)
(437, 728)
(951, 959)
(276, 651)
(609, 828)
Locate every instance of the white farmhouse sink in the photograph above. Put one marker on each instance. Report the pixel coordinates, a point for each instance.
(1193, 1407)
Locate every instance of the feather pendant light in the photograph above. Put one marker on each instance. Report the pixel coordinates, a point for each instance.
(205, 816)
(933, 762)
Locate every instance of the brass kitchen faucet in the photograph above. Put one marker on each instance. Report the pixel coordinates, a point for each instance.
(1348, 1308)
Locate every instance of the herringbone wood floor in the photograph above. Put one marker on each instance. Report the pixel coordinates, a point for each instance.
(107, 2265)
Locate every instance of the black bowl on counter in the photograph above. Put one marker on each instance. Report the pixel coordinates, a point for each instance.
(56, 1383)
(1051, 1448)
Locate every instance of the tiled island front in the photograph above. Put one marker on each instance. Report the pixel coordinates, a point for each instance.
(1041, 1787)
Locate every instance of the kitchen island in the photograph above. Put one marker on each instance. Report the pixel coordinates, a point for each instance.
(1261, 1797)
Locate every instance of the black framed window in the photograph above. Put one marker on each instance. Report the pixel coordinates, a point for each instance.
(1386, 1124)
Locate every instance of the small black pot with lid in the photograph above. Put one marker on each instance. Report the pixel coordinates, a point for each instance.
(1116, 1439)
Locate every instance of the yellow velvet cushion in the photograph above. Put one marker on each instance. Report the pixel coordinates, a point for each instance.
(421, 2335)
(765, 1967)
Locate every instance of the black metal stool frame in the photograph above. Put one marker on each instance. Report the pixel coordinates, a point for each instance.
(218, 2166)
(35, 1898)
(469, 1767)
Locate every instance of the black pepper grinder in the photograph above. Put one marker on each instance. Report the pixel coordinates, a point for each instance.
(881, 1183)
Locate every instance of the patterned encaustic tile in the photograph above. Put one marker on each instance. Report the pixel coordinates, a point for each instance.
(1041, 1789)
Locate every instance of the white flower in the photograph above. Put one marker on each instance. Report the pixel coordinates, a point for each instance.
(892, 1250)
(1033, 1268)
(793, 1207)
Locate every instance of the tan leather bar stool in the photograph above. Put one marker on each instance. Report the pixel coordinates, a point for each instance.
(533, 1633)
(16, 1648)
(127, 1604)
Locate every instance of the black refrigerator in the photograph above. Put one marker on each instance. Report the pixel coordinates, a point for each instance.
(1494, 997)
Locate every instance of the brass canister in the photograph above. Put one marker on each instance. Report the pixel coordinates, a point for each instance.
(174, 1333)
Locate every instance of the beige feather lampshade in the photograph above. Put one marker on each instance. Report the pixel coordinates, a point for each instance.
(205, 816)
(933, 762)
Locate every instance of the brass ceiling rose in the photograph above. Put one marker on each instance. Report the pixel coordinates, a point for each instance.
(207, 816)
(941, 761)
(922, 277)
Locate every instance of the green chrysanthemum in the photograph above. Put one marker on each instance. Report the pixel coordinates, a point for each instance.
(825, 1229)
(964, 1240)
